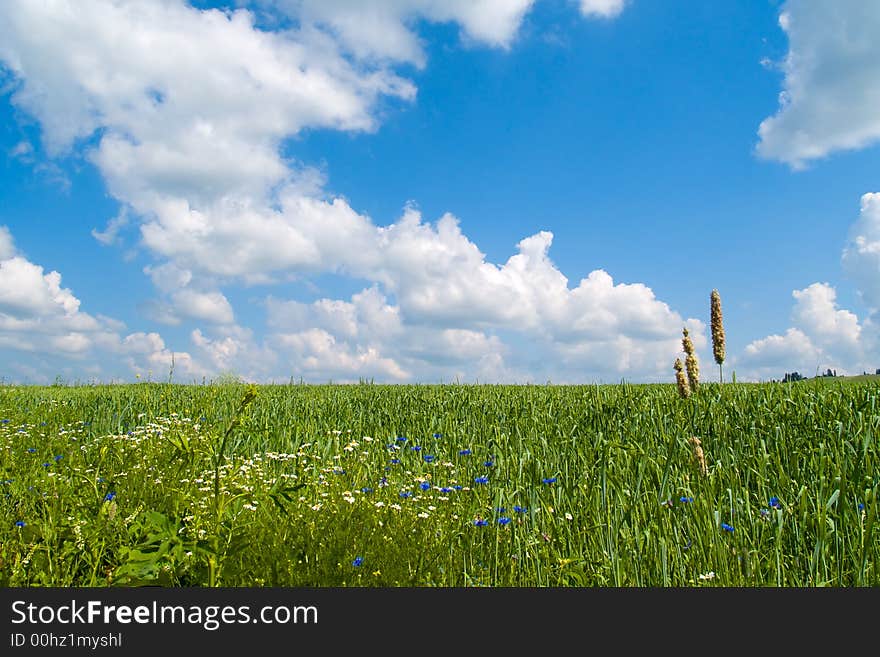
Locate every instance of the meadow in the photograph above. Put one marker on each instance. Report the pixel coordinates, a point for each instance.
(440, 485)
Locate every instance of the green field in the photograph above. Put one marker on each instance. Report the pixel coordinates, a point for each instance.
(440, 485)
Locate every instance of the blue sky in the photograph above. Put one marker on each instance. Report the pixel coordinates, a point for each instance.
(422, 191)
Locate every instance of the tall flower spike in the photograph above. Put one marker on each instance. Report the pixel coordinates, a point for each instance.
(717, 331)
(690, 361)
(681, 381)
(699, 456)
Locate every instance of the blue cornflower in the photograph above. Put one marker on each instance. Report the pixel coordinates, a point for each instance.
(774, 502)
(685, 499)
(428, 458)
(479, 522)
(425, 485)
(464, 452)
(405, 493)
(416, 448)
(366, 489)
(438, 435)
(457, 487)
(357, 562)
(395, 461)
(726, 527)
(489, 464)
(31, 450)
(109, 497)
(338, 471)
(401, 439)
(481, 480)
(861, 506)
(520, 509)
(4, 421)
(58, 457)
(18, 523)
(504, 520)
(500, 509)
(46, 465)
(446, 489)
(548, 480)
(765, 513)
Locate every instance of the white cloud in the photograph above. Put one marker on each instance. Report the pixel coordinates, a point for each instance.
(208, 306)
(831, 92)
(861, 256)
(7, 245)
(773, 356)
(602, 8)
(40, 317)
(824, 336)
(386, 30)
(110, 234)
(816, 312)
(184, 118)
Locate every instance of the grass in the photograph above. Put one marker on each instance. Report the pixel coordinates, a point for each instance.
(298, 485)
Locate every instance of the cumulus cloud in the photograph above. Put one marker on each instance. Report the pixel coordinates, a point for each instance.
(41, 317)
(831, 89)
(824, 336)
(184, 116)
(603, 8)
(385, 30)
(861, 256)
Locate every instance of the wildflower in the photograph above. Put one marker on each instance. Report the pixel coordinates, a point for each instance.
(685, 500)
(726, 527)
(479, 522)
(457, 487)
(110, 496)
(464, 452)
(428, 458)
(765, 514)
(416, 448)
(31, 450)
(366, 489)
(708, 576)
(481, 480)
(45, 465)
(489, 464)
(520, 509)
(395, 461)
(424, 514)
(59, 457)
(503, 520)
(774, 502)
(4, 421)
(861, 506)
(401, 439)
(446, 489)
(500, 509)
(438, 435)
(425, 485)
(548, 480)
(18, 523)
(357, 562)
(405, 493)
(568, 516)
